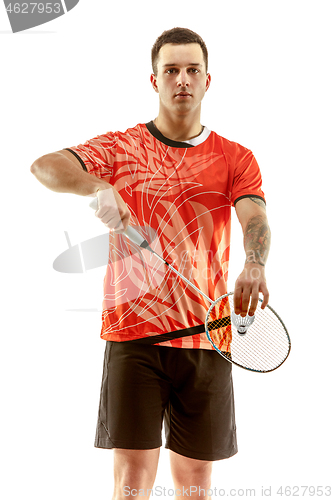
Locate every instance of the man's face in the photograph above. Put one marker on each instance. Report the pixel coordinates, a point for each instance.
(181, 79)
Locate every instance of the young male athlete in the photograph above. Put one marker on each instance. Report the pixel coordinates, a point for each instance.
(176, 181)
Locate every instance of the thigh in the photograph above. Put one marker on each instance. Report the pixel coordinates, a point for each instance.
(200, 422)
(134, 395)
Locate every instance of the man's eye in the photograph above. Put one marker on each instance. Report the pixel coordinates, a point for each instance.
(172, 71)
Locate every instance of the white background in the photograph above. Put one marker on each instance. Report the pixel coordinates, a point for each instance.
(87, 73)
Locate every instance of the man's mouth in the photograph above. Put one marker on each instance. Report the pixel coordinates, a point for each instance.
(183, 94)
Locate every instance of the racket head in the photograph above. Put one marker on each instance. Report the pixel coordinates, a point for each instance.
(263, 348)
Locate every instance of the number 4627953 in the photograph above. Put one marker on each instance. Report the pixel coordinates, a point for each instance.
(31, 7)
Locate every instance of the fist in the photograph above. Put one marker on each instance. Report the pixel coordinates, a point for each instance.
(112, 210)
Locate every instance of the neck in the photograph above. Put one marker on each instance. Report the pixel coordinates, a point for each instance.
(178, 128)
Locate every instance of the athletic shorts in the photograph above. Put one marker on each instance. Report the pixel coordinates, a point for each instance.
(189, 390)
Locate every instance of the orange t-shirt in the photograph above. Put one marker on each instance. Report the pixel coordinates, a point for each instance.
(180, 197)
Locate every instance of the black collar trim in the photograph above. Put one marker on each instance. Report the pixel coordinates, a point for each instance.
(168, 142)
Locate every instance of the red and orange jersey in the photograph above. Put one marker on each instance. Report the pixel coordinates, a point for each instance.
(180, 197)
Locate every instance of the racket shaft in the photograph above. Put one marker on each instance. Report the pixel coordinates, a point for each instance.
(183, 278)
(136, 238)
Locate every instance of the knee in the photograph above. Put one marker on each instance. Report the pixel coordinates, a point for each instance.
(196, 475)
(130, 480)
(133, 476)
(134, 470)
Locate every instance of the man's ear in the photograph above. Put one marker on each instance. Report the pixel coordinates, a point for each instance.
(208, 80)
(153, 82)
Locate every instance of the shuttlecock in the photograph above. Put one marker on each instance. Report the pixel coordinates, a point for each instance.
(241, 323)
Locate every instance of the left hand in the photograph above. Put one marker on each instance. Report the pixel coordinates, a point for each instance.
(248, 285)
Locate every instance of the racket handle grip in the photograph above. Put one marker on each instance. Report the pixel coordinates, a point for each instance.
(130, 232)
(135, 237)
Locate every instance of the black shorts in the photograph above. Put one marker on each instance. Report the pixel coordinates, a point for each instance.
(190, 390)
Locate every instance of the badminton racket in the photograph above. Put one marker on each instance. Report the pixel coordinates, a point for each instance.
(259, 343)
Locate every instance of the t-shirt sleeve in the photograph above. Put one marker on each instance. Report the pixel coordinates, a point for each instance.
(247, 177)
(97, 155)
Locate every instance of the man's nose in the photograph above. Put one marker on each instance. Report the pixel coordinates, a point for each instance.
(182, 79)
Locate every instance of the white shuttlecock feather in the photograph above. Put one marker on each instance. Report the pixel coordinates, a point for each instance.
(241, 323)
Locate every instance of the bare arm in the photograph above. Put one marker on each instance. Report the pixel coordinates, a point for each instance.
(251, 213)
(63, 173)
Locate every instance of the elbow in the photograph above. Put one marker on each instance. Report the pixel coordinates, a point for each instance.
(35, 167)
(41, 170)
(39, 164)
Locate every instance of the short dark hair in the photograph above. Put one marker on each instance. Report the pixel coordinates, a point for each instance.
(177, 36)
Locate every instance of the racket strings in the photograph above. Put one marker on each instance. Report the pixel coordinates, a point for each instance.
(263, 348)
(215, 324)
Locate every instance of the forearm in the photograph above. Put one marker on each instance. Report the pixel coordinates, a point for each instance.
(251, 213)
(58, 173)
(257, 239)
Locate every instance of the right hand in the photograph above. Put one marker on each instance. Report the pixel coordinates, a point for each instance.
(112, 210)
